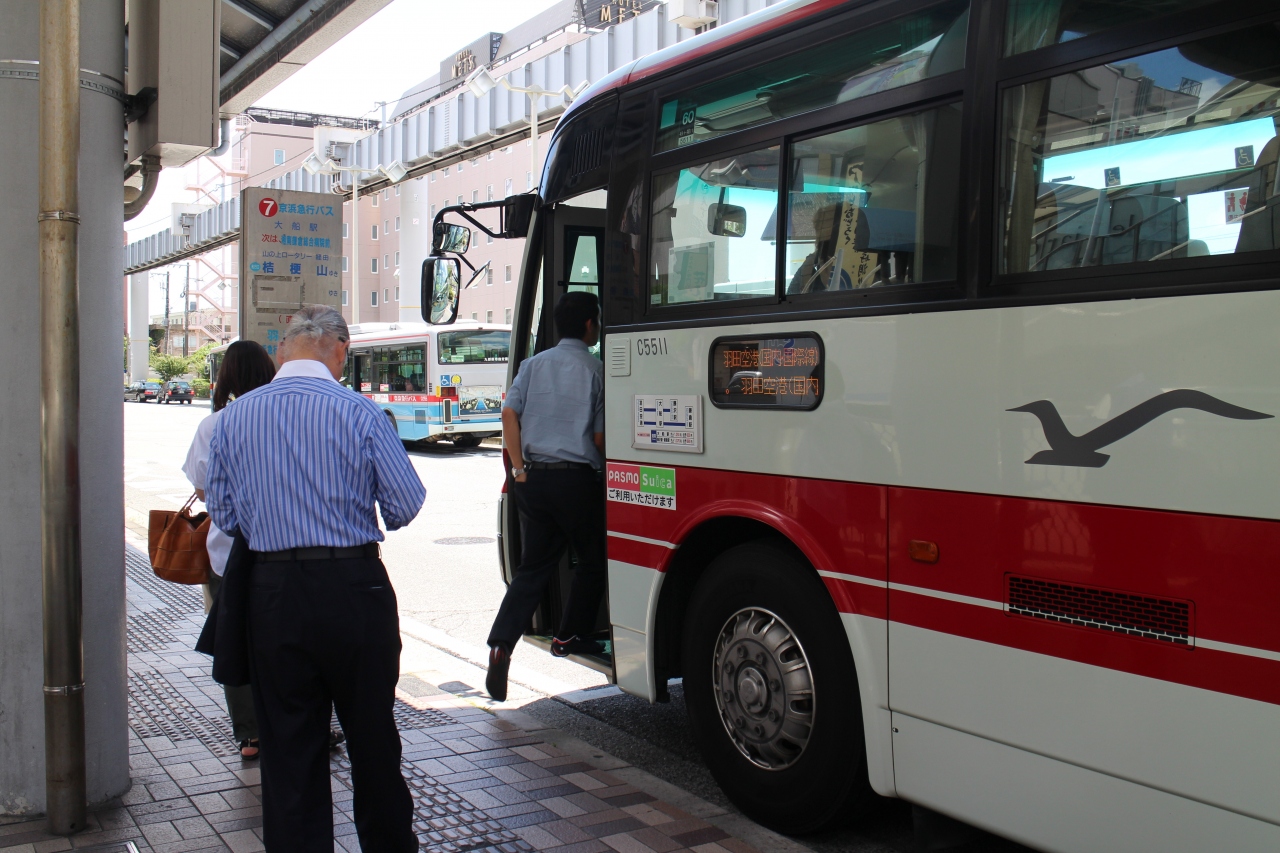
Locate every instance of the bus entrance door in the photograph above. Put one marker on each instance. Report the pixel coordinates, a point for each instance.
(573, 243)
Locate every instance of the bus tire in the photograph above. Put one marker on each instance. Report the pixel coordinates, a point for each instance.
(466, 440)
(766, 657)
(392, 419)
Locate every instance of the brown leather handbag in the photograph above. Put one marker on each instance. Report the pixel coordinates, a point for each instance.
(176, 544)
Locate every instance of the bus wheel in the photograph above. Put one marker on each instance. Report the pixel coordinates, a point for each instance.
(772, 693)
(392, 419)
(466, 440)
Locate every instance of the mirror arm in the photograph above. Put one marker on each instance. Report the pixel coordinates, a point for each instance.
(463, 258)
(461, 210)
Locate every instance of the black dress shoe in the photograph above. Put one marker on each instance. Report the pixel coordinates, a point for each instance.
(496, 681)
(336, 738)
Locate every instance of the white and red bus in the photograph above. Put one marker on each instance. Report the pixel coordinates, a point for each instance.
(942, 354)
(433, 382)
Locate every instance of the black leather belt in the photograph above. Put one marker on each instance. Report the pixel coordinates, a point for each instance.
(319, 553)
(549, 466)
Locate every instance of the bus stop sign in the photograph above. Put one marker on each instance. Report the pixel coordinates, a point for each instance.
(290, 256)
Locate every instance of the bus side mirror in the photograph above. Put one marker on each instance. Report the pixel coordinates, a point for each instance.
(727, 220)
(440, 291)
(451, 238)
(517, 211)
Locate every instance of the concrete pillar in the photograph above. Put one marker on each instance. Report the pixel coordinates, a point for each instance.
(102, 441)
(139, 318)
(415, 245)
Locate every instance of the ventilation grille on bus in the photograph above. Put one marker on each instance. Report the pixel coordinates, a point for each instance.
(1121, 612)
(588, 152)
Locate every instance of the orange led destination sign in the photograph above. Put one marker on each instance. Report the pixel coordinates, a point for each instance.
(767, 372)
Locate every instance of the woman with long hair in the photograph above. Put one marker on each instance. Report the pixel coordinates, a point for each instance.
(245, 366)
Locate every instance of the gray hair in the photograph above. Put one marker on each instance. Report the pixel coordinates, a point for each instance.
(315, 323)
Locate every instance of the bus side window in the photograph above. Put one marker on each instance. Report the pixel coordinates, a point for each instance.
(874, 205)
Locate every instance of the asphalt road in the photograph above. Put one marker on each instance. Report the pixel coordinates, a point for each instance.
(445, 572)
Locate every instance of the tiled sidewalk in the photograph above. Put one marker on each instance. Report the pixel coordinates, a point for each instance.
(479, 783)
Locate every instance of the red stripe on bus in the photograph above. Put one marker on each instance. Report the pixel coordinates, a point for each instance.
(639, 553)
(1207, 669)
(1217, 572)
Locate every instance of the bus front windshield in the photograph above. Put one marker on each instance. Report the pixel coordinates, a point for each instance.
(481, 346)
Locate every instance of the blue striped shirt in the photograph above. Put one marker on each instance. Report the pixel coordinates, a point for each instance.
(301, 461)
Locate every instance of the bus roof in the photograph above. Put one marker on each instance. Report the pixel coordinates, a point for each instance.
(372, 333)
(698, 47)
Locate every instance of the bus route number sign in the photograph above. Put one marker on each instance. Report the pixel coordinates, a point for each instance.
(773, 372)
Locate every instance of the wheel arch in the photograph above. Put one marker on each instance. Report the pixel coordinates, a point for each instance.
(696, 548)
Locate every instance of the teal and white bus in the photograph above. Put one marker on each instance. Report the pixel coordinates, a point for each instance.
(433, 382)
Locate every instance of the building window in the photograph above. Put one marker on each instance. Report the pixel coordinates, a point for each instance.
(386, 261)
(397, 189)
(459, 199)
(488, 276)
(508, 317)
(433, 178)
(374, 231)
(489, 156)
(488, 238)
(386, 226)
(386, 193)
(374, 197)
(445, 171)
(507, 277)
(373, 265)
(346, 230)
(397, 223)
(279, 156)
(433, 213)
(488, 316)
(397, 293)
(475, 196)
(345, 294)
(475, 316)
(373, 297)
(488, 193)
(459, 167)
(386, 294)
(397, 259)
(528, 180)
(506, 150)
(475, 162)
(344, 263)
(508, 194)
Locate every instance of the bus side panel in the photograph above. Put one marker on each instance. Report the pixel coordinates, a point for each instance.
(1102, 636)
(1057, 806)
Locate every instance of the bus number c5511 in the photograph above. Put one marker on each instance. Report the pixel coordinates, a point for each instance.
(651, 346)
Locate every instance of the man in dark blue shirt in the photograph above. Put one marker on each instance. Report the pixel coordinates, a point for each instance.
(553, 430)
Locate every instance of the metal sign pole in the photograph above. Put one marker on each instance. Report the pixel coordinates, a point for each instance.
(59, 225)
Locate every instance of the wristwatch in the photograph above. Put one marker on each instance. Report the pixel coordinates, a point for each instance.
(517, 472)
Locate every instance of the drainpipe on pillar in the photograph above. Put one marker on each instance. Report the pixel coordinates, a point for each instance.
(59, 225)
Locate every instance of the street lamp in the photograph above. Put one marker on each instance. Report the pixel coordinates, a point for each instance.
(395, 172)
(480, 83)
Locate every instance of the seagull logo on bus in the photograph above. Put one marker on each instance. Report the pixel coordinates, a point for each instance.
(1081, 451)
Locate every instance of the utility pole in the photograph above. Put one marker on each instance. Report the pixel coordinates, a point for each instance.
(58, 223)
(168, 347)
(186, 305)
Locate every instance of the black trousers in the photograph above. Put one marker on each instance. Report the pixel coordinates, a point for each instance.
(559, 508)
(322, 633)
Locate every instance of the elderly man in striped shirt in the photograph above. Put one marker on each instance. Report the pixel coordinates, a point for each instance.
(297, 466)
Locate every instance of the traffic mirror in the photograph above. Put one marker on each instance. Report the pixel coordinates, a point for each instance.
(452, 238)
(727, 220)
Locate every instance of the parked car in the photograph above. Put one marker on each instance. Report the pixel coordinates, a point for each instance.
(141, 392)
(177, 391)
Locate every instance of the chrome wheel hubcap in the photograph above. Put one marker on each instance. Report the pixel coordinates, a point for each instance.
(763, 688)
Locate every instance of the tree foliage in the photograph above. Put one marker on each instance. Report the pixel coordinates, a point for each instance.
(170, 366)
